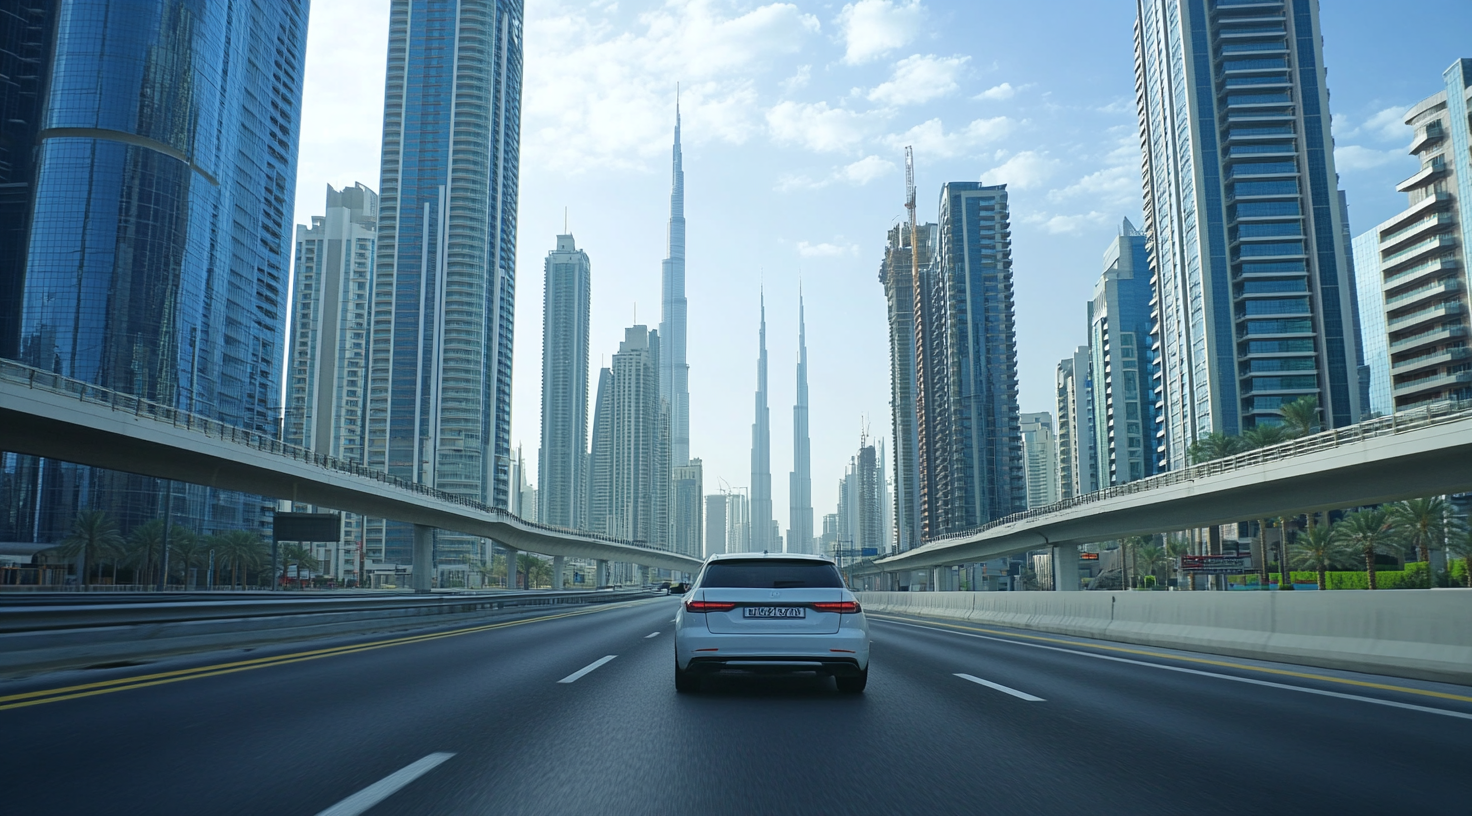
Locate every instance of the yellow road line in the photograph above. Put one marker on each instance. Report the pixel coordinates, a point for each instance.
(1205, 661)
(31, 698)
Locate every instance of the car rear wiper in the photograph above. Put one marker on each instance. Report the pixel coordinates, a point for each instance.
(788, 584)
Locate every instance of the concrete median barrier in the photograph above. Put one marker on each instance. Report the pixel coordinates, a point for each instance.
(1422, 634)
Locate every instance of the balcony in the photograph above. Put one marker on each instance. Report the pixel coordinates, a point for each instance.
(1425, 269)
(1436, 312)
(1430, 337)
(1417, 229)
(1433, 382)
(1426, 136)
(1429, 172)
(1417, 251)
(1415, 211)
(1425, 292)
(1430, 359)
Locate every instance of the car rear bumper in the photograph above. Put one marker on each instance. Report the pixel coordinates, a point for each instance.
(844, 652)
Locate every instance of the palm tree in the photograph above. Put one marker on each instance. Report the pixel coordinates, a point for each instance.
(1459, 543)
(188, 548)
(1174, 549)
(1149, 556)
(1215, 445)
(1301, 416)
(94, 536)
(1319, 549)
(1423, 524)
(139, 551)
(1368, 532)
(300, 555)
(241, 549)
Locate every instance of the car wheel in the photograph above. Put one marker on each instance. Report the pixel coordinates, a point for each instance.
(853, 684)
(685, 681)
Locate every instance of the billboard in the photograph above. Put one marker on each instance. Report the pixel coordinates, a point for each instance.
(1216, 564)
(307, 527)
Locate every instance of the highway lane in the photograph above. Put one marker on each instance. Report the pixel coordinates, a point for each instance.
(537, 718)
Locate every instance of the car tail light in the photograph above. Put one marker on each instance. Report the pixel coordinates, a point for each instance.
(708, 606)
(841, 607)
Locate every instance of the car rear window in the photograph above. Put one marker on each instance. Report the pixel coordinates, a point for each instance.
(770, 574)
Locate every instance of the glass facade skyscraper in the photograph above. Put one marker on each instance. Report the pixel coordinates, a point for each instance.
(26, 31)
(157, 255)
(1244, 225)
(439, 404)
(564, 451)
(1369, 281)
(1120, 356)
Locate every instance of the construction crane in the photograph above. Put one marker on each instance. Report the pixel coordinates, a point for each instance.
(910, 205)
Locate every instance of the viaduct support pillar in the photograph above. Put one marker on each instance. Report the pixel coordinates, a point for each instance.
(1065, 568)
(423, 572)
(559, 566)
(511, 569)
(602, 579)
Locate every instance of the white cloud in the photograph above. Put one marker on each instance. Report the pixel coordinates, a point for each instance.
(1389, 125)
(1023, 171)
(1115, 186)
(857, 174)
(600, 96)
(799, 80)
(919, 79)
(818, 127)
(873, 28)
(1069, 224)
(931, 139)
(998, 93)
(1355, 157)
(825, 250)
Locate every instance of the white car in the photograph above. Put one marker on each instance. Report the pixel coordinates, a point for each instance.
(774, 613)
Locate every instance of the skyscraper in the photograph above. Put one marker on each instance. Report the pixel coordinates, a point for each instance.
(674, 373)
(445, 295)
(897, 273)
(987, 475)
(715, 525)
(1040, 455)
(561, 483)
(860, 503)
(800, 481)
(1077, 466)
(687, 508)
(1120, 357)
(1244, 224)
(26, 34)
(1421, 260)
(763, 526)
(159, 232)
(326, 398)
(638, 506)
(600, 457)
(1369, 284)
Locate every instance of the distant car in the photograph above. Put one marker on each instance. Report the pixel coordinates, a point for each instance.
(777, 613)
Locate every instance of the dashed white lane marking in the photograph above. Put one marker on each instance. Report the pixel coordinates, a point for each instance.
(1021, 695)
(575, 676)
(650, 635)
(385, 787)
(1248, 680)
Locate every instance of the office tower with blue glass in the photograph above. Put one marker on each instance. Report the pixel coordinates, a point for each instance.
(1040, 456)
(1078, 470)
(1120, 355)
(987, 475)
(567, 287)
(1243, 222)
(1419, 262)
(1369, 284)
(439, 409)
(26, 33)
(159, 235)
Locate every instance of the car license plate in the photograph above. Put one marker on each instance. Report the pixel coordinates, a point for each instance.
(774, 612)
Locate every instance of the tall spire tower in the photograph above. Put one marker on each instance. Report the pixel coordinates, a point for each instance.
(674, 372)
(763, 526)
(800, 483)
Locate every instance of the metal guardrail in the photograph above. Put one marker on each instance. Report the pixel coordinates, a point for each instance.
(51, 618)
(39, 380)
(1438, 413)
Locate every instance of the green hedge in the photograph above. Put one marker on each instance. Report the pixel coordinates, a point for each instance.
(1412, 577)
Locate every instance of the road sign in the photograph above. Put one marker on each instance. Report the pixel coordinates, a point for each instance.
(1216, 564)
(1088, 556)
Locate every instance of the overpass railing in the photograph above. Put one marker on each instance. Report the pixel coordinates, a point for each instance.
(39, 380)
(1438, 413)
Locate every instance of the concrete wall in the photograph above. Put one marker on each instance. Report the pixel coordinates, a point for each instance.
(1423, 634)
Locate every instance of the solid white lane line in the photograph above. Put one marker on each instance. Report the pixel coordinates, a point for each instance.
(385, 787)
(1021, 695)
(650, 635)
(575, 676)
(1321, 692)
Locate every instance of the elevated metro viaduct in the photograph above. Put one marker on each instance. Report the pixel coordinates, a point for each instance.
(44, 414)
(1424, 452)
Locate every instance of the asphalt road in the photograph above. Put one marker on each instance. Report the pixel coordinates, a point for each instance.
(480, 723)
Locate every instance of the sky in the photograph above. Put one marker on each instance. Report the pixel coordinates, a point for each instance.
(796, 116)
